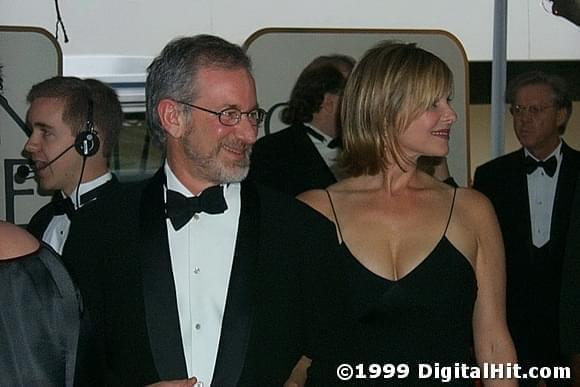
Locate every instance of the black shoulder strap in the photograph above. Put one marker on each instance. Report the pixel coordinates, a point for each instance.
(450, 211)
(335, 217)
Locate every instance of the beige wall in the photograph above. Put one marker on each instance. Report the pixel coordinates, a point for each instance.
(479, 122)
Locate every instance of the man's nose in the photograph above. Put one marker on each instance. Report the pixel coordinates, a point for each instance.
(32, 145)
(246, 131)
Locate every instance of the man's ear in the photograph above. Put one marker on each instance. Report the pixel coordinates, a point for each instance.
(331, 102)
(170, 117)
(561, 116)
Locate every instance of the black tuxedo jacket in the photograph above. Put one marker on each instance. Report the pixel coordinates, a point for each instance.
(262, 331)
(84, 222)
(289, 162)
(570, 295)
(533, 285)
(85, 269)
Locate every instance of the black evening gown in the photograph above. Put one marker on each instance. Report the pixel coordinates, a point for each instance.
(357, 317)
(39, 321)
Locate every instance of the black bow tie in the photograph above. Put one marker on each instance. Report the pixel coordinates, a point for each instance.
(180, 209)
(548, 165)
(64, 206)
(334, 143)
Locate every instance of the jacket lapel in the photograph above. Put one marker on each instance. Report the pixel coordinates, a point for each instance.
(521, 195)
(238, 314)
(564, 194)
(162, 317)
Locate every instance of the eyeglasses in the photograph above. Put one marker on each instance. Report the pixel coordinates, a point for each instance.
(518, 110)
(232, 116)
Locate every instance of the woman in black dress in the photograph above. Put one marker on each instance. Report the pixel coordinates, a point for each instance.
(418, 279)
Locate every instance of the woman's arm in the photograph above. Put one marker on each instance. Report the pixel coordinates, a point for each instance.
(492, 340)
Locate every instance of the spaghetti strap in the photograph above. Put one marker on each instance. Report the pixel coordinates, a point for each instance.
(450, 211)
(335, 217)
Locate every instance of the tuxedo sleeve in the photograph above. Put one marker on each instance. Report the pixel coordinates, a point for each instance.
(480, 180)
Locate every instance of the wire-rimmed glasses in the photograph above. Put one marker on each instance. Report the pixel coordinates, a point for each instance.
(232, 116)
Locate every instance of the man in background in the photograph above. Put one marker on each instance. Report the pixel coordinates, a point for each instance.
(75, 124)
(68, 117)
(532, 191)
(303, 156)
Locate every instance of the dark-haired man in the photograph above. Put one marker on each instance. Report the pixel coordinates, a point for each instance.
(303, 156)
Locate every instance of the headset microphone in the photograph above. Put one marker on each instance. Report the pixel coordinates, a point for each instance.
(24, 172)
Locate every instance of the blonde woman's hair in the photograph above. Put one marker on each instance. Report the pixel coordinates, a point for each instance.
(392, 84)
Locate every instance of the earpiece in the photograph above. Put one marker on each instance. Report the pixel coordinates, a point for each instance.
(87, 142)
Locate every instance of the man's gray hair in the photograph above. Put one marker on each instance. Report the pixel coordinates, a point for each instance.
(173, 73)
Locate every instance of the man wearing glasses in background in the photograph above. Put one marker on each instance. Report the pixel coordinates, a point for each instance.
(204, 268)
(532, 191)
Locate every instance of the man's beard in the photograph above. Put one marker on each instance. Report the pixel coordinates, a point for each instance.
(213, 169)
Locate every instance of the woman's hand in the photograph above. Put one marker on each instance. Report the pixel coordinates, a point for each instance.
(191, 382)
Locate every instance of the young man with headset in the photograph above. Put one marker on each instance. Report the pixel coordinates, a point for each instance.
(75, 124)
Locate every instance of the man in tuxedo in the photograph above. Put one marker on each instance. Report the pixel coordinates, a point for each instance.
(203, 267)
(66, 115)
(303, 156)
(532, 191)
(74, 125)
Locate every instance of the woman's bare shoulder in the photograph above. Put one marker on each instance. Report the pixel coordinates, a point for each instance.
(319, 200)
(474, 205)
(15, 242)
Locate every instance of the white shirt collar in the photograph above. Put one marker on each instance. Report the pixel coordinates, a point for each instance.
(87, 187)
(557, 152)
(174, 184)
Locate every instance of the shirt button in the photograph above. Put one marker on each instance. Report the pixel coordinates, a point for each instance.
(198, 326)
(196, 216)
(196, 270)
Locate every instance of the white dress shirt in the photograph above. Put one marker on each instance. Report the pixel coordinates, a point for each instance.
(202, 254)
(541, 194)
(57, 230)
